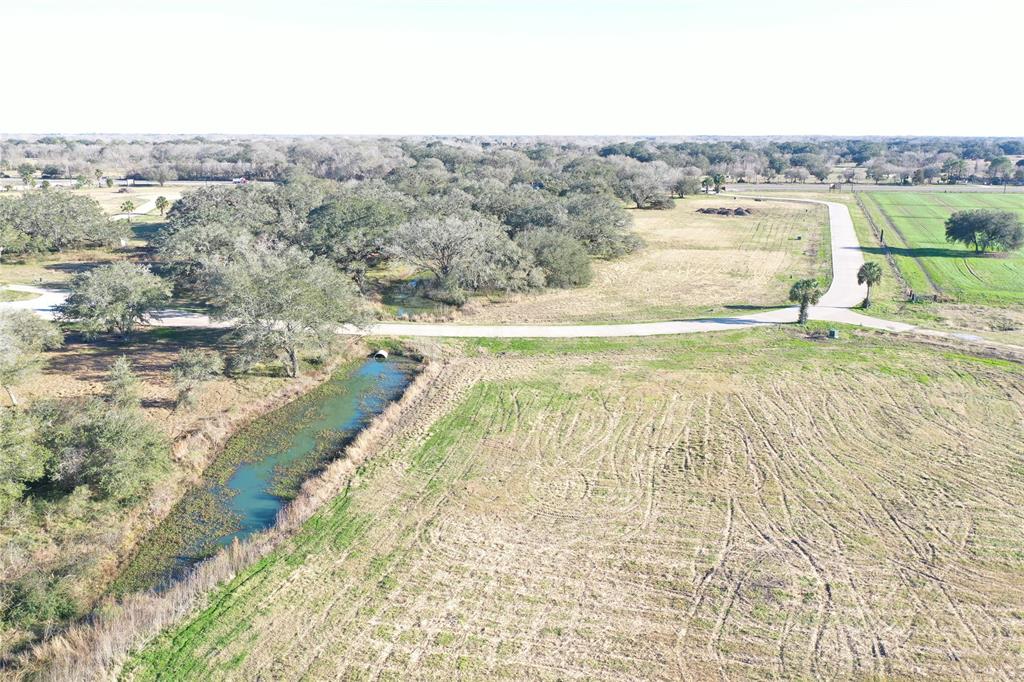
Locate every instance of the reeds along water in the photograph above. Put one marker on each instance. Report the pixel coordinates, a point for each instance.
(95, 649)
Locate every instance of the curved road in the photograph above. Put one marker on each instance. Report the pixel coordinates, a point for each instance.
(835, 306)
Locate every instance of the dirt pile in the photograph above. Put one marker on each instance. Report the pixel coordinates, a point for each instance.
(726, 211)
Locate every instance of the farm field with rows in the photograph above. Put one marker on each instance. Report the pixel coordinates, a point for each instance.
(775, 505)
(915, 231)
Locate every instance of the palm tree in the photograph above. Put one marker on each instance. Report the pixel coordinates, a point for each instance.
(128, 207)
(161, 204)
(870, 274)
(806, 292)
(706, 185)
(719, 181)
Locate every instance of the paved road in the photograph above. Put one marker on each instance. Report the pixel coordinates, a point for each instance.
(835, 306)
(139, 210)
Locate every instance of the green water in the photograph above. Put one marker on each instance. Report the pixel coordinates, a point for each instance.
(261, 469)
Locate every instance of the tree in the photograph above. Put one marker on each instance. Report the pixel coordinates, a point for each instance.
(870, 274)
(985, 229)
(122, 388)
(686, 185)
(353, 229)
(451, 248)
(281, 302)
(563, 259)
(719, 182)
(806, 292)
(12, 240)
(114, 298)
(115, 451)
(706, 184)
(27, 173)
(23, 338)
(22, 459)
(1000, 168)
(59, 220)
(192, 369)
(162, 204)
(644, 184)
(954, 168)
(163, 173)
(110, 182)
(601, 224)
(127, 207)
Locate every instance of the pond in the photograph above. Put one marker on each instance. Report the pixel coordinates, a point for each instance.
(262, 468)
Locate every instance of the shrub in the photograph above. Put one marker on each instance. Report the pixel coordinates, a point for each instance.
(192, 370)
(564, 260)
(115, 451)
(661, 203)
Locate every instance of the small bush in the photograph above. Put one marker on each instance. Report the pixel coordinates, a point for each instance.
(661, 203)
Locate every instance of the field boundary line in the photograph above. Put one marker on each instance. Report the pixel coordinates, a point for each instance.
(920, 265)
(904, 285)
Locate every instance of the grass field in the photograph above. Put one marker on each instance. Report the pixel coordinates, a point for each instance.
(110, 199)
(1004, 323)
(745, 505)
(691, 265)
(915, 231)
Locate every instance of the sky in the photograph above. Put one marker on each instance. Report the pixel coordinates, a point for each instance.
(524, 67)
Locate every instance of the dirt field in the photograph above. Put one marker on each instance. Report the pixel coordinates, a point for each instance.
(692, 264)
(746, 505)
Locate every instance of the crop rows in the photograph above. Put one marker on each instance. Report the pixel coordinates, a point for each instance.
(953, 269)
(760, 513)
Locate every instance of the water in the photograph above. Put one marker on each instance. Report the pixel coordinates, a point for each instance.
(248, 492)
(262, 467)
(409, 298)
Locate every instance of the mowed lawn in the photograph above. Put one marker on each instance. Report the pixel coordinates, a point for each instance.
(932, 265)
(739, 506)
(691, 264)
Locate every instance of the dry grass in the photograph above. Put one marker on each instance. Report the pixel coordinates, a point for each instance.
(746, 505)
(692, 264)
(95, 650)
(110, 199)
(97, 549)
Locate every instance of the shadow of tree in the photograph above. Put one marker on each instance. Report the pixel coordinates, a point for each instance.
(927, 252)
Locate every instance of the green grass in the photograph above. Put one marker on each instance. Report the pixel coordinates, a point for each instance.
(7, 295)
(915, 231)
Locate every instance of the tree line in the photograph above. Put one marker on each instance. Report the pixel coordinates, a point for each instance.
(910, 160)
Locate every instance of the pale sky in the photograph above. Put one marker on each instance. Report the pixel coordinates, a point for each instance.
(569, 67)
